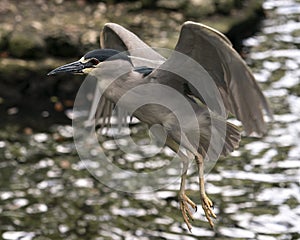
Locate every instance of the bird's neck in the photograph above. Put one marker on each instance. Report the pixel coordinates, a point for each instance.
(112, 78)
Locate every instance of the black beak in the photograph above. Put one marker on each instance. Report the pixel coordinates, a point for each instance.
(74, 67)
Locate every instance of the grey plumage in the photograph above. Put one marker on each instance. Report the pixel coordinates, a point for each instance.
(212, 50)
(211, 81)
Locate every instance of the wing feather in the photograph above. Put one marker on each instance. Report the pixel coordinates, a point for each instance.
(239, 91)
(116, 37)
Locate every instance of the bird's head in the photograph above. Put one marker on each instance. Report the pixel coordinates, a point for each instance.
(90, 61)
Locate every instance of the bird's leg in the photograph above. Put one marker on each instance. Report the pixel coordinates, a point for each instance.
(184, 200)
(207, 204)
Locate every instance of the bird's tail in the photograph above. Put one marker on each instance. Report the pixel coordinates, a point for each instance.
(232, 139)
(222, 138)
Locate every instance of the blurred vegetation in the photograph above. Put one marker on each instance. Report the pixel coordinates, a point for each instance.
(66, 28)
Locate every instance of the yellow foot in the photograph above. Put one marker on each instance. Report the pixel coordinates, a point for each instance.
(207, 206)
(187, 214)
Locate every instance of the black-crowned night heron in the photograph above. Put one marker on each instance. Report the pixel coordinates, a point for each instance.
(237, 93)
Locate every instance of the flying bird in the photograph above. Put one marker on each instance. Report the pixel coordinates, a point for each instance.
(212, 79)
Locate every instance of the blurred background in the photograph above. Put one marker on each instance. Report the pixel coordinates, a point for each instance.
(45, 190)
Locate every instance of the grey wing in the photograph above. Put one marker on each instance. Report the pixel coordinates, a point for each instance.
(117, 37)
(240, 94)
(101, 110)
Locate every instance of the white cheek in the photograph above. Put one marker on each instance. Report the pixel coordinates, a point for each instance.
(82, 60)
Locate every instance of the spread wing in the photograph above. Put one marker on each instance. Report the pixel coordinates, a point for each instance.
(239, 93)
(116, 37)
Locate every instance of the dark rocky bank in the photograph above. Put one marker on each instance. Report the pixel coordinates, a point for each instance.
(38, 35)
